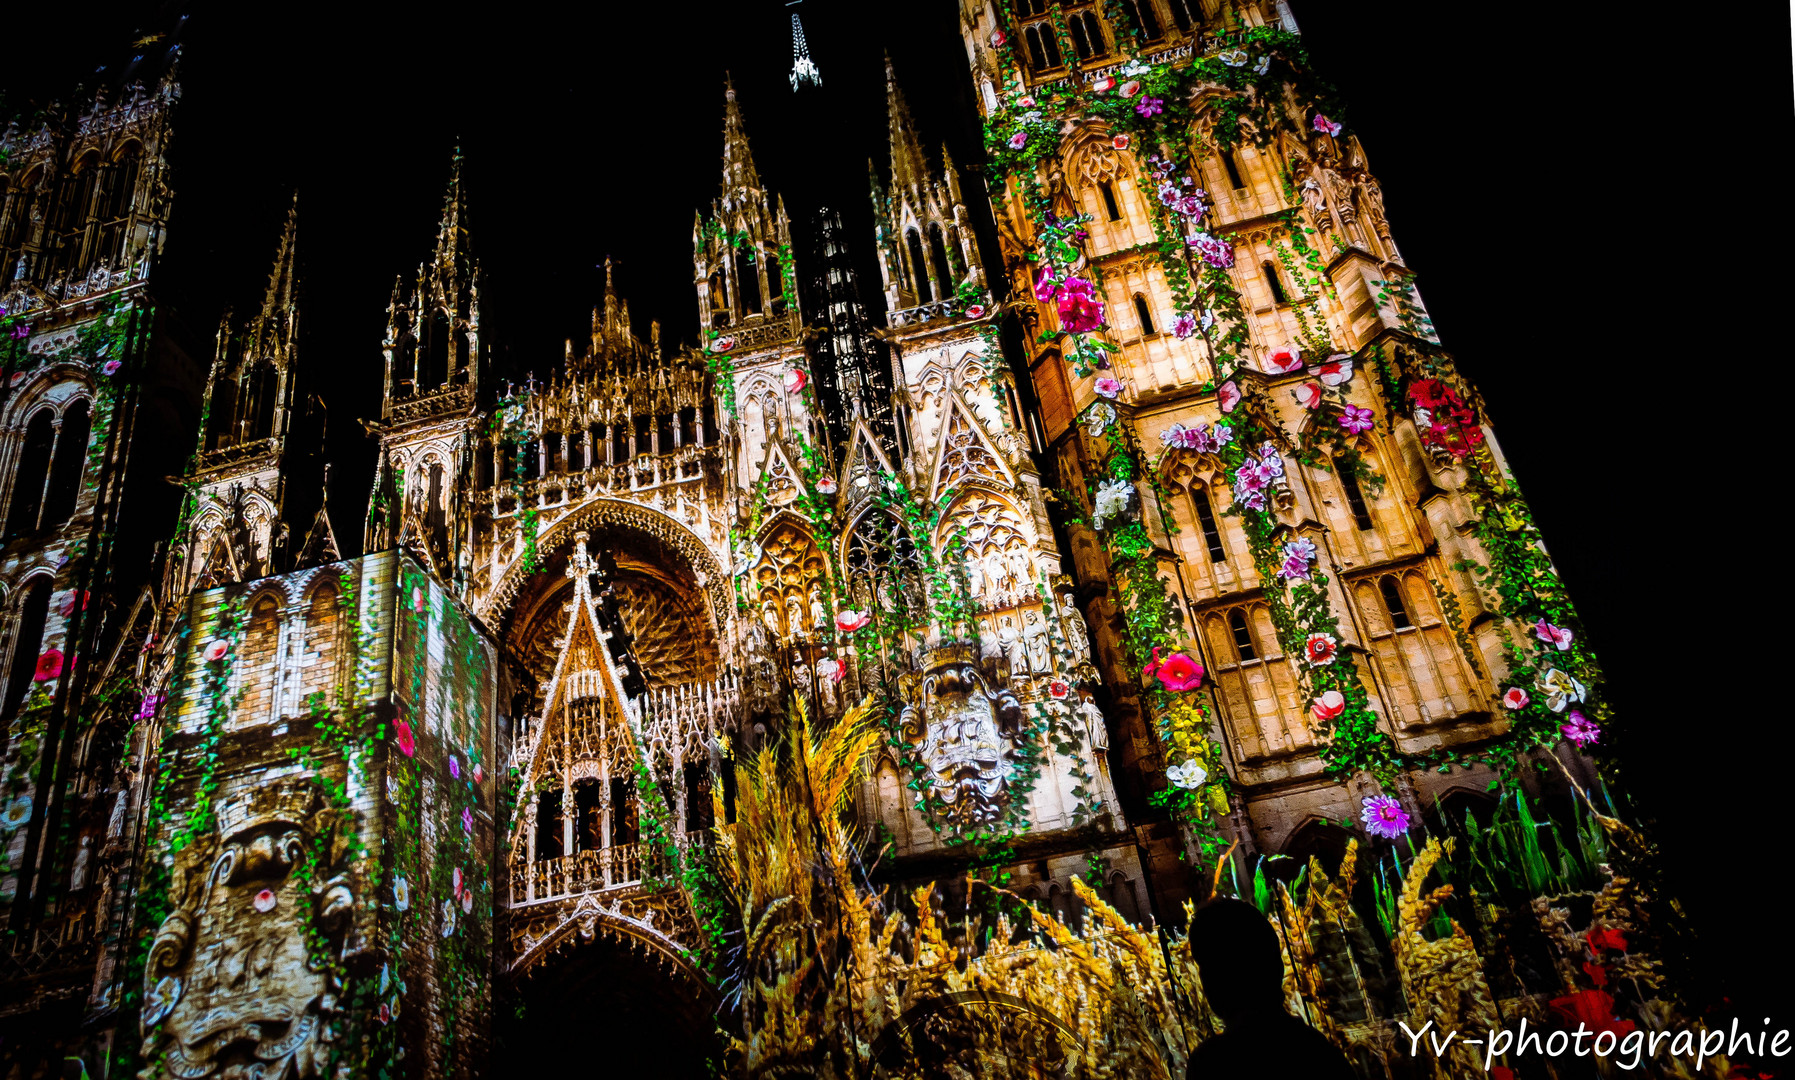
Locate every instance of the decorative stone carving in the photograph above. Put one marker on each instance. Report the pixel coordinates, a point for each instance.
(968, 736)
(230, 988)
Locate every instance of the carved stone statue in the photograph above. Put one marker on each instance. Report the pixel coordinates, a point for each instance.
(1078, 635)
(230, 989)
(967, 735)
(1097, 731)
(819, 615)
(1040, 652)
(1015, 650)
(794, 612)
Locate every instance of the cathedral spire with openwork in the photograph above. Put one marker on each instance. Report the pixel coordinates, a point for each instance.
(909, 167)
(804, 71)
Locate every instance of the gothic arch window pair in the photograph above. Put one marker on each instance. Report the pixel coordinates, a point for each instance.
(1038, 37)
(51, 458)
(283, 663)
(919, 266)
(243, 408)
(747, 277)
(1087, 34)
(1143, 20)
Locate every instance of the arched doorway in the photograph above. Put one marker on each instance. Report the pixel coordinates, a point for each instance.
(601, 1006)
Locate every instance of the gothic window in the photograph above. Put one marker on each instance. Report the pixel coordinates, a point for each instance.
(548, 825)
(944, 278)
(918, 266)
(1393, 603)
(436, 518)
(775, 285)
(1355, 496)
(34, 466)
(435, 369)
(27, 641)
(1110, 206)
(405, 362)
(623, 811)
(884, 570)
(464, 355)
(1025, 8)
(619, 443)
(318, 661)
(19, 226)
(121, 182)
(1087, 34)
(644, 434)
(1243, 635)
(1272, 282)
(258, 409)
(1212, 535)
(1185, 14)
(70, 460)
(747, 277)
(576, 450)
(1043, 48)
(664, 434)
(789, 572)
(77, 194)
(1143, 19)
(1233, 167)
(589, 807)
(259, 661)
(687, 429)
(710, 421)
(699, 812)
(1145, 314)
(551, 452)
(719, 300)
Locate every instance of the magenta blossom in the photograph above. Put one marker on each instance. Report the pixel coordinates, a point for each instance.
(1150, 106)
(1018, 140)
(1184, 325)
(1216, 252)
(1325, 126)
(1192, 206)
(1080, 313)
(1046, 287)
(1107, 386)
(110, 367)
(1169, 193)
(1553, 635)
(1356, 419)
(1515, 698)
(1227, 395)
(1580, 729)
(1384, 817)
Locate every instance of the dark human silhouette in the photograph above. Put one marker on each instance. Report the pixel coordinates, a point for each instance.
(1242, 970)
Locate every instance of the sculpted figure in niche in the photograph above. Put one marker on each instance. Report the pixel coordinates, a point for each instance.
(229, 988)
(1078, 635)
(966, 734)
(1097, 731)
(794, 612)
(1040, 653)
(1015, 650)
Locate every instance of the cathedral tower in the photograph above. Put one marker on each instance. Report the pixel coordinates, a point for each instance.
(257, 442)
(428, 417)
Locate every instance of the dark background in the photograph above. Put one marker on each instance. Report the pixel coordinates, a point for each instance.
(1565, 186)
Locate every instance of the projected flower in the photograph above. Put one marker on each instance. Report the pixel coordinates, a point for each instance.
(1112, 501)
(402, 738)
(1177, 672)
(827, 485)
(1515, 698)
(1320, 648)
(1120, 142)
(49, 665)
(18, 812)
(795, 380)
(1150, 106)
(1018, 140)
(1184, 325)
(1324, 125)
(1285, 358)
(1309, 395)
(848, 620)
(1328, 706)
(1553, 635)
(1227, 395)
(1355, 419)
(266, 901)
(1080, 311)
(1580, 729)
(401, 894)
(1189, 775)
(1561, 689)
(1213, 250)
(1384, 817)
(1233, 57)
(1107, 386)
(215, 649)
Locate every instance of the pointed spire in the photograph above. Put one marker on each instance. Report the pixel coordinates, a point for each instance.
(453, 231)
(279, 296)
(804, 72)
(909, 169)
(738, 164)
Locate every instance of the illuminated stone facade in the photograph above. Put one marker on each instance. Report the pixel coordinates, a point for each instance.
(348, 801)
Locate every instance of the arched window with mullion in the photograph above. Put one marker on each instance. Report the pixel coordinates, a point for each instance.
(70, 461)
(919, 267)
(28, 641)
(32, 472)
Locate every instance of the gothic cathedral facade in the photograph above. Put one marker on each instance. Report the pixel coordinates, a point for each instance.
(1142, 529)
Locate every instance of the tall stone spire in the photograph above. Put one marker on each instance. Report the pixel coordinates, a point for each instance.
(804, 72)
(279, 298)
(740, 179)
(909, 169)
(452, 233)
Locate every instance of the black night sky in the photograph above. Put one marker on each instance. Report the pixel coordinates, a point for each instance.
(595, 131)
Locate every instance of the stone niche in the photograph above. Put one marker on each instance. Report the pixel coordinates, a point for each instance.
(319, 895)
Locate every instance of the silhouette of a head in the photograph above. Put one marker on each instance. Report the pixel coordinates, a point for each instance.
(1238, 957)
